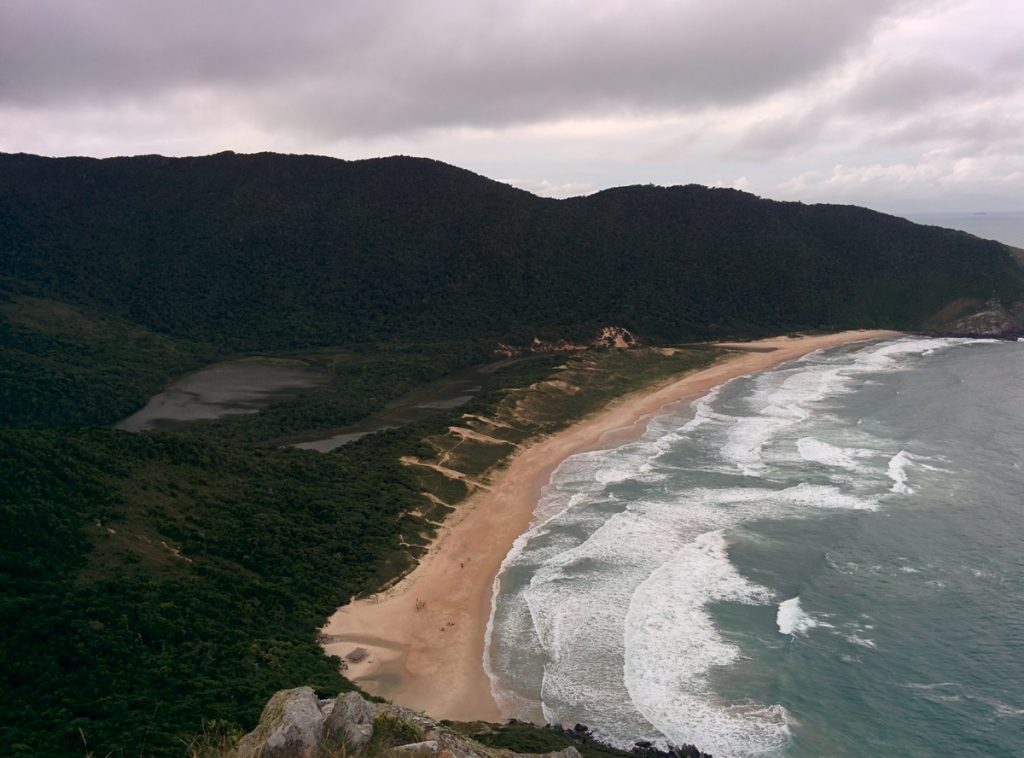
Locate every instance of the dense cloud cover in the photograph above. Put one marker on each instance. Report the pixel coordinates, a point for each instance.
(818, 99)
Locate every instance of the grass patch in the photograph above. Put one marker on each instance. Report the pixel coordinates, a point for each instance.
(390, 731)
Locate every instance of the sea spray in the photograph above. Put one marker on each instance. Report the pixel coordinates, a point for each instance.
(672, 644)
(791, 618)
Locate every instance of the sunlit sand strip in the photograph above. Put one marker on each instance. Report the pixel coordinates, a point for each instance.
(424, 637)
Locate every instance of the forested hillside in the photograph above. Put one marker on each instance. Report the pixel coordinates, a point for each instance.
(270, 251)
(151, 581)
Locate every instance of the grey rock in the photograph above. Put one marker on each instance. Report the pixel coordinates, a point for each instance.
(569, 752)
(353, 717)
(291, 726)
(451, 745)
(295, 724)
(418, 748)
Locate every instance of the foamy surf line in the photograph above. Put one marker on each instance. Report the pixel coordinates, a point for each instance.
(549, 506)
(438, 668)
(661, 658)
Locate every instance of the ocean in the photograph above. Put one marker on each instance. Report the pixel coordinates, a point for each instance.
(824, 559)
(1006, 227)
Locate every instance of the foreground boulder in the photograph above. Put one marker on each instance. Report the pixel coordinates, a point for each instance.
(351, 717)
(291, 726)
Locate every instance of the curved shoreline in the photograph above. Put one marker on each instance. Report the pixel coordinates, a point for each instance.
(425, 636)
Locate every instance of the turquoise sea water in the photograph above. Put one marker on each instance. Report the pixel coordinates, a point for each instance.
(826, 559)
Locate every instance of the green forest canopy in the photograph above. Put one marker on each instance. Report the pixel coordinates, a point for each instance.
(154, 580)
(258, 252)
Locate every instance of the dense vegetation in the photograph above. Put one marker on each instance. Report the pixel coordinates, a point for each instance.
(62, 366)
(150, 581)
(269, 251)
(528, 738)
(65, 366)
(161, 579)
(361, 381)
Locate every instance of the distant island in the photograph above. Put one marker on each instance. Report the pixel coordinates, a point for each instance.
(168, 582)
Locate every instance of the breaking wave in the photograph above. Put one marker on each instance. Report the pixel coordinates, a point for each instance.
(614, 586)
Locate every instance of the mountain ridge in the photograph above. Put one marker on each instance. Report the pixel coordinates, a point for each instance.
(164, 578)
(310, 250)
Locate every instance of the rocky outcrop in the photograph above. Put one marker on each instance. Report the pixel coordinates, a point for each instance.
(974, 318)
(616, 336)
(992, 320)
(351, 717)
(609, 337)
(291, 726)
(295, 724)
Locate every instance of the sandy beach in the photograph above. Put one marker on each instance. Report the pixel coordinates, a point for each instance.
(425, 636)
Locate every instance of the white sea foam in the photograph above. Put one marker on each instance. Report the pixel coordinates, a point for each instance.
(1004, 710)
(792, 619)
(899, 466)
(747, 439)
(785, 398)
(616, 474)
(671, 644)
(614, 595)
(861, 641)
(951, 692)
(890, 356)
(806, 496)
(780, 401)
(816, 451)
(703, 411)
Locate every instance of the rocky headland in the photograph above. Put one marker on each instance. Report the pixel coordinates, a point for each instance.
(295, 723)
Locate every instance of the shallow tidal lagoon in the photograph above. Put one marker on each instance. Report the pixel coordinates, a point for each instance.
(231, 387)
(822, 559)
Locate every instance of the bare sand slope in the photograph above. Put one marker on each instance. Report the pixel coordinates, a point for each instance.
(425, 636)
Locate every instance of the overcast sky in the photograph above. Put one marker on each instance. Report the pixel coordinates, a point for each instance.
(901, 106)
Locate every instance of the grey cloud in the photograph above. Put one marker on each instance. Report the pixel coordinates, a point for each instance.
(770, 138)
(984, 130)
(1010, 61)
(970, 113)
(907, 85)
(894, 102)
(985, 134)
(546, 188)
(371, 67)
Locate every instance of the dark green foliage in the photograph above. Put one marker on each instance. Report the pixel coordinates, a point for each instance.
(151, 581)
(63, 366)
(160, 580)
(266, 252)
(113, 633)
(362, 381)
(528, 738)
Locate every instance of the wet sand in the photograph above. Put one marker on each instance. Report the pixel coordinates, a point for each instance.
(425, 636)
